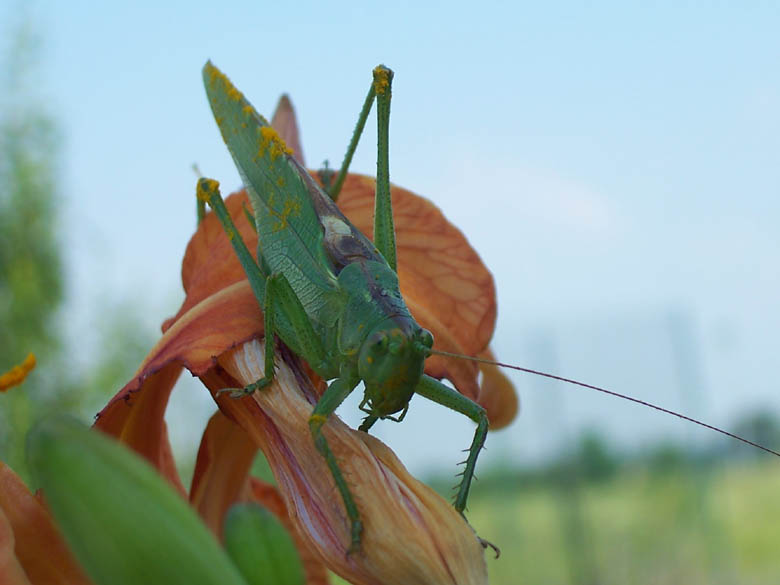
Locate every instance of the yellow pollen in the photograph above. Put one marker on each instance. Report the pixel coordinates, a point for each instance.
(381, 80)
(291, 207)
(17, 374)
(272, 144)
(233, 93)
(206, 187)
(215, 74)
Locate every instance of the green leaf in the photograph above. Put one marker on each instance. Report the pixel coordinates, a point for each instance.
(123, 522)
(261, 547)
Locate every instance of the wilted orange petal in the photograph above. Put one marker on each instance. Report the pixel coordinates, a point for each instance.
(11, 571)
(210, 264)
(39, 547)
(411, 535)
(135, 414)
(497, 394)
(267, 495)
(221, 470)
(137, 421)
(222, 478)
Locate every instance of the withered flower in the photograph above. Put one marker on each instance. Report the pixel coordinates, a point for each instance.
(411, 535)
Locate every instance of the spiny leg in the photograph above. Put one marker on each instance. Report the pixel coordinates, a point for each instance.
(326, 175)
(208, 191)
(361, 124)
(338, 390)
(441, 394)
(384, 230)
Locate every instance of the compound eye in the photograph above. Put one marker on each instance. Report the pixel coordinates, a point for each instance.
(426, 338)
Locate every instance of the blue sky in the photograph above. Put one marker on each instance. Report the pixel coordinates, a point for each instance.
(616, 165)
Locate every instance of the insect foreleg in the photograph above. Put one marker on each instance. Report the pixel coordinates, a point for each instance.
(441, 394)
(268, 325)
(368, 422)
(338, 390)
(208, 191)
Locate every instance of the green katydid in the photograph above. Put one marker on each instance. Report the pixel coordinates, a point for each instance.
(331, 294)
(327, 291)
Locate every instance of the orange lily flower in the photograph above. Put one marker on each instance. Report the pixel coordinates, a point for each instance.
(32, 550)
(411, 534)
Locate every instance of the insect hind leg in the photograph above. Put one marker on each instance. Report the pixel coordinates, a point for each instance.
(441, 394)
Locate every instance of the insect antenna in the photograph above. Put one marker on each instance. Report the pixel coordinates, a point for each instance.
(606, 391)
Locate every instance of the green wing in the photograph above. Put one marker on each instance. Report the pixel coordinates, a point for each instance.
(290, 236)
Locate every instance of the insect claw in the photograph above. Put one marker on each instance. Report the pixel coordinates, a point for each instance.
(487, 544)
(231, 390)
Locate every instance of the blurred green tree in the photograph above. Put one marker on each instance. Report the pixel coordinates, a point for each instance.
(32, 274)
(31, 268)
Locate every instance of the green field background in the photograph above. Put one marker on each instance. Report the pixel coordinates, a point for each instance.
(712, 526)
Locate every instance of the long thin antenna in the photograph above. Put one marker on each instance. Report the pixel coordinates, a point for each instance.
(610, 392)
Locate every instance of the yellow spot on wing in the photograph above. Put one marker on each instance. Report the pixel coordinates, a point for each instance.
(17, 374)
(272, 144)
(215, 74)
(233, 93)
(292, 207)
(230, 89)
